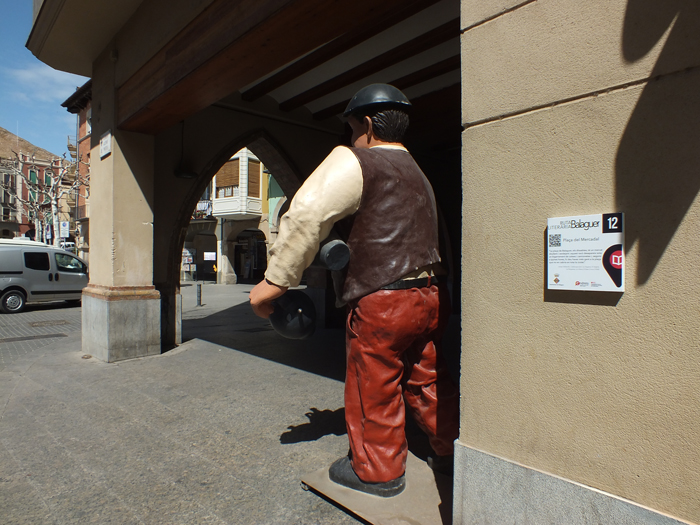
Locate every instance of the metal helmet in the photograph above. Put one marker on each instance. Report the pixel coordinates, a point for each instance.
(294, 316)
(383, 94)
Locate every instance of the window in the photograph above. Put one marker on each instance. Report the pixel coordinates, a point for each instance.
(37, 261)
(66, 263)
(253, 178)
(33, 180)
(228, 175)
(47, 185)
(88, 121)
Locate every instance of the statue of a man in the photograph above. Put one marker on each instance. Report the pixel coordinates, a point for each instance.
(379, 200)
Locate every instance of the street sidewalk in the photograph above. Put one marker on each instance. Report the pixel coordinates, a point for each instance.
(219, 430)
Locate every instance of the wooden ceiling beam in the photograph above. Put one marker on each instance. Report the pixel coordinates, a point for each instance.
(437, 69)
(230, 45)
(411, 48)
(334, 48)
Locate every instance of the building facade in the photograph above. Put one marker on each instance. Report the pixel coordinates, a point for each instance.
(36, 208)
(79, 104)
(19, 158)
(231, 230)
(576, 406)
(9, 216)
(30, 176)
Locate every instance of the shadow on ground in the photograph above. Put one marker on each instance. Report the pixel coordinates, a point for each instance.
(321, 423)
(323, 354)
(326, 422)
(238, 328)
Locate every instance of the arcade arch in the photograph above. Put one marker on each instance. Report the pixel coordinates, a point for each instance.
(201, 146)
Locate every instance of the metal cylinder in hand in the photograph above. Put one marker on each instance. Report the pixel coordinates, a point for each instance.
(294, 316)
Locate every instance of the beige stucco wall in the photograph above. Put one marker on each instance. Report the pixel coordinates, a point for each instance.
(121, 194)
(597, 388)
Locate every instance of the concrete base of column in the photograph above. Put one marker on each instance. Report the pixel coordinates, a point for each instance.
(489, 489)
(121, 322)
(229, 278)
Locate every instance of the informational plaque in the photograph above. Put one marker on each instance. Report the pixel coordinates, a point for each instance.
(586, 253)
(106, 144)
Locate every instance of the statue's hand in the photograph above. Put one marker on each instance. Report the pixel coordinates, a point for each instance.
(262, 295)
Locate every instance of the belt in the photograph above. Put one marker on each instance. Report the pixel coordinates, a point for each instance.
(407, 284)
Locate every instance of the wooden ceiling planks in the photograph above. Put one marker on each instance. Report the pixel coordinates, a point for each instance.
(406, 50)
(422, 75)
(213, 57)
(334, 48)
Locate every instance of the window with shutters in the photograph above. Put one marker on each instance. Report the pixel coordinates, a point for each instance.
(33, 179)
(228, 179)
(253, 178)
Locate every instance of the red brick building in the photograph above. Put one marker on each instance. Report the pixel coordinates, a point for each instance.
(79, 103)
(36, 164)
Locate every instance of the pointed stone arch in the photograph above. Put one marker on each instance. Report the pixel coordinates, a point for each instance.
(272, 155)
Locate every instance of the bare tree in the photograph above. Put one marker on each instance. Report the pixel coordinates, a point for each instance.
(36, 209)
(44, 197)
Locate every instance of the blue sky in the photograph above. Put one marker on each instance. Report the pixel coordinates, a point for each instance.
(30, 91)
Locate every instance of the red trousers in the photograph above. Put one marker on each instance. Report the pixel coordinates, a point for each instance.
(393, 359)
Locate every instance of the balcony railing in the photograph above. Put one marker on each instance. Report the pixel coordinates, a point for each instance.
(72, 146)
(81, 212)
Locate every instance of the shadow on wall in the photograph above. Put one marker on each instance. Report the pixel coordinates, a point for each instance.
(658, 161)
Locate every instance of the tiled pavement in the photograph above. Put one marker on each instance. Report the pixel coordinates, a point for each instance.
(42, 324)
(36, 327)
(218, 431)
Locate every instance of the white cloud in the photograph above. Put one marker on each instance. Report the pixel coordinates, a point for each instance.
(41, 83)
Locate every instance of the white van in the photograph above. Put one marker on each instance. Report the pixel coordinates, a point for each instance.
(68, 246)
(33, 272)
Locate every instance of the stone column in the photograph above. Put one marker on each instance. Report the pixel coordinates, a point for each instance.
(121, 307)
(228, 252)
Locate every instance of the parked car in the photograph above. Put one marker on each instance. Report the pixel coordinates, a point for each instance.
(34, 272)
(69, 246)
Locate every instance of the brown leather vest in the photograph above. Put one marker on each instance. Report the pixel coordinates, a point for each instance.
(395, 229)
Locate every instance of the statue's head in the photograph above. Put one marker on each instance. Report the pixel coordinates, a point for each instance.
(385, 106)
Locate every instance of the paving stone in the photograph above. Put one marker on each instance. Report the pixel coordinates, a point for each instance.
(205, 434)
(49, 318)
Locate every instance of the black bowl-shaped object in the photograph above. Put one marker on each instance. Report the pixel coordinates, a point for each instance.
(294, 316)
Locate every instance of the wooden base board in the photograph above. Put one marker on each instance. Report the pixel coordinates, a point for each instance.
(427, 499)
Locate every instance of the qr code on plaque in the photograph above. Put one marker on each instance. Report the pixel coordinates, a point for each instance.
(555, 240)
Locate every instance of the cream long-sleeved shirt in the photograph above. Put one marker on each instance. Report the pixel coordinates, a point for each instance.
(332, 192)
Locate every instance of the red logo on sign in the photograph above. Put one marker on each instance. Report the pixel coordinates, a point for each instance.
(616, 259)
(578, 282)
